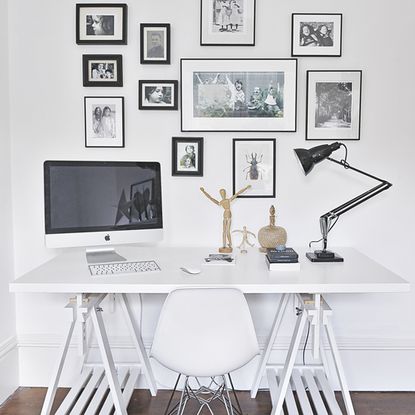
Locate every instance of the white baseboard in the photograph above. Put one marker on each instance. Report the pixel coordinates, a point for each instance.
(9, 368)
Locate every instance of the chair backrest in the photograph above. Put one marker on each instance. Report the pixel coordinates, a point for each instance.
(205, 332)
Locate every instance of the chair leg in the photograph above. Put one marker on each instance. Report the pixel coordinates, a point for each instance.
(226, 397)
(239, 409)
(183, 399)
(171, 396)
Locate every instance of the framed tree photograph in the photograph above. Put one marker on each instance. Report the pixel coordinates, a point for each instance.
(227, 22)
(102, 70)
(155, 43)
(238, 94)
(316, 34)
(187, 156)
(254, 164)
(104, 121)
(158, 95)
(101, 23)
(333, 105)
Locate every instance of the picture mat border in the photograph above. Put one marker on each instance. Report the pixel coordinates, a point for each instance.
(151, 61)
(85, 69)
(157, 107)
(200, 152)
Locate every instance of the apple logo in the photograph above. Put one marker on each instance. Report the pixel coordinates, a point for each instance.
(107, 237)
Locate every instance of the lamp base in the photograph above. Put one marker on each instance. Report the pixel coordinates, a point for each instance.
(324, 256)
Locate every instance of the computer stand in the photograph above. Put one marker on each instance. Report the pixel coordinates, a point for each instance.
(103, 255)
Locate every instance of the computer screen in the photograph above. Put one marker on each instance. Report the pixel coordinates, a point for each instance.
(102, 202)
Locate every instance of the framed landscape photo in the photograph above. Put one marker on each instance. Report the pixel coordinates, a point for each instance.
(104, 121)
(254, 164)
(238, 94)
(316, 34)
(227, 22)
(187, 156)
(102, 70)
(155, 43)
(157, 95)
(101, 23)
(333, 105)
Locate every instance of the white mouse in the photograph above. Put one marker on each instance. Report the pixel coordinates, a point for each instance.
(191, 270)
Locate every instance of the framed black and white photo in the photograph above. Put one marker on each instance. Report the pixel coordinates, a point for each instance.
(155, 43)
(101, 23)
(187, 156)
(157, 95)
(316, 34)
(227, 22)
(254, 164)
(102, 70)
(333, 105)
(238, 94)
(104, 121)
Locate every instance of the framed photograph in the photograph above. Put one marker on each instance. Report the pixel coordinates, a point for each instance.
(316, 34)
(254, 164)
(101, 24)
(102, 70)
(227, 22)
(104, 121)
(238, 94)
(333, 105)
(158, 95)
(155, 43)
(187, 156)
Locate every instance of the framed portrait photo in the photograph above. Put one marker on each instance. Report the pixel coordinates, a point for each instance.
(187, 156)
(157, 95)
(333, 105)
(104, 121)
(254, 164)
(101, 23)
(155, 43)
(316, 34)
(102, 70)
(227, 22)
(238, 94)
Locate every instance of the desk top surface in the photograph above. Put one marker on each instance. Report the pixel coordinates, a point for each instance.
(69, 273)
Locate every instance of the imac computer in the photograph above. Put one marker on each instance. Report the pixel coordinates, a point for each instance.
(101, 204)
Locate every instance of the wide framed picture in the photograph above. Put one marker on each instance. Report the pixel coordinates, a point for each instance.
(238, 94)
(187, 156)
(104, 121)
(333, 105)
(254, 163)
(227, 22)
(316, 34)
(102, 70)
(101, 23)
(158, 95)
(155, 43)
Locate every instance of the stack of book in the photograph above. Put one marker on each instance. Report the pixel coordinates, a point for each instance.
(282, 260)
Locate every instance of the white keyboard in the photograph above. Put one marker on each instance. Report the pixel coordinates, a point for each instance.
(123, 268)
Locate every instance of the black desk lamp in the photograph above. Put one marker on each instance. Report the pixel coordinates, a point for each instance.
(308, 158)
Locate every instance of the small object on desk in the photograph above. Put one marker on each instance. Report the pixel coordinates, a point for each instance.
(288, 255)
(123, 268)
(270, 236)
(245, 235)
(220, 259)
(283, 265)
(190, 270)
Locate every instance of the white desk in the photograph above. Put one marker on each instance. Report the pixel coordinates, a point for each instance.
(68, 273)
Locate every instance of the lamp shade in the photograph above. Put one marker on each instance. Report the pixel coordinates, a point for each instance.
(308, 158)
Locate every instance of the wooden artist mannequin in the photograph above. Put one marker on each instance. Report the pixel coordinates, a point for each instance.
(245, 235)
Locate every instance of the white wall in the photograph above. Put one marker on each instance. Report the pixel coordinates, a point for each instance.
(47, 123)
(8, 343)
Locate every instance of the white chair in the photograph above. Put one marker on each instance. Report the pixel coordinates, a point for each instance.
(205, 333)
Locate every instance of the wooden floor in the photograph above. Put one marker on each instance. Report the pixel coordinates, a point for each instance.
(28, 401)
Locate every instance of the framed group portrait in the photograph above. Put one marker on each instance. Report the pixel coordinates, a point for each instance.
(104, 121)
(238, 94)
(101, 23)
(102, 70)
(254, 164)
(227, 22)
(187, 156)
(333, 105)
(155, 43)
(157, 95)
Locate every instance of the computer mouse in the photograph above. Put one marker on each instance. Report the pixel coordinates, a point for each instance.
(191, 270)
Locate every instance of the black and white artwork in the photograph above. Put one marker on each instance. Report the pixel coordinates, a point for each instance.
(333, 105)
(102, 70)
(254, 164)
(227, 22)
(157, 95)
(101, 23)
(104, 121)
(187, 156)
(316, 34)
(155, 43)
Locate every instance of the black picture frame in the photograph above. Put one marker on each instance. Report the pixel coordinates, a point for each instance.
(118, 25)
(144, 101)
(344, 118)
(252, 172)
(192, 170)
(102, 79)
(164, 50)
